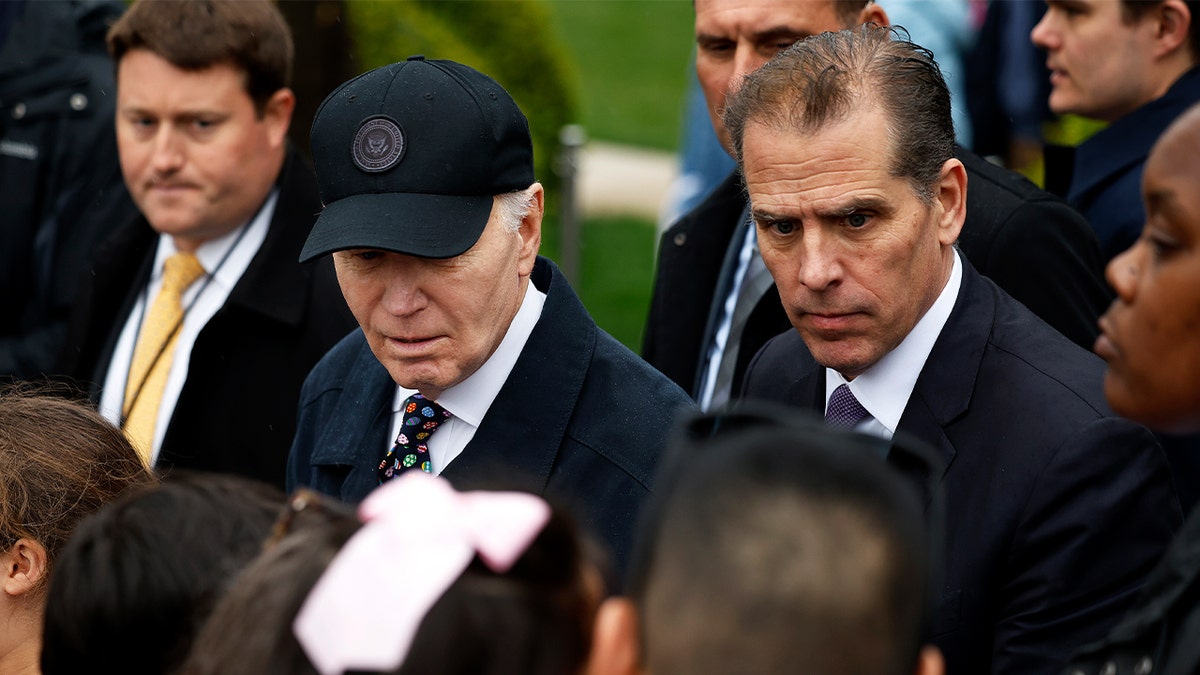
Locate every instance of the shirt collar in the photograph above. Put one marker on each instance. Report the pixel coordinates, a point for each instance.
(884, 388)
(470, 399)
(211, 253)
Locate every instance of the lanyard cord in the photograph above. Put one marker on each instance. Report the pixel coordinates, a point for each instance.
(208, 277)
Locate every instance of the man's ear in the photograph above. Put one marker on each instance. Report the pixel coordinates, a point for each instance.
(930, 661)
(25, 567)
(277, 114)
(1173, 23)
(872, 13)
(616, 647)
(950, 201)
(531, 229)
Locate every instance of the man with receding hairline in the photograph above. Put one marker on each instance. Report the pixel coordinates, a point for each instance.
(713, 304)
(1055, 508)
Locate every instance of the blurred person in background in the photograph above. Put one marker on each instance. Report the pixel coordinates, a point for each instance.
(60, 180)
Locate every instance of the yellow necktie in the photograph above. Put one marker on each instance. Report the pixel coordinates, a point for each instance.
(155, 350)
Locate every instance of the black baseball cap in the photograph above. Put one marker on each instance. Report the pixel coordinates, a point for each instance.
(409, 156)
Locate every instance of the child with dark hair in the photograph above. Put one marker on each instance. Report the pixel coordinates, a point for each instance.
(425, 579)
(138, 578)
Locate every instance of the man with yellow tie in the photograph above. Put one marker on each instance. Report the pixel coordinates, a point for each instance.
(198, 325)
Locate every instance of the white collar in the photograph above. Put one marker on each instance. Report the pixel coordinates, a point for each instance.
(884, 388)
(211, 253)
(470, 399)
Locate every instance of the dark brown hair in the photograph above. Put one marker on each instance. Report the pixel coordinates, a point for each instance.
(780, 542)
(828, 77)
(848, 10)
(59, 461)
(1133, 11)
(535, 619)
(196, 34)
(138, 578)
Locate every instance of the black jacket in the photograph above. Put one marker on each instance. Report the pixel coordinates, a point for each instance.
(1056, 510)
(237, 410)
(1032, 244)
(60, 181)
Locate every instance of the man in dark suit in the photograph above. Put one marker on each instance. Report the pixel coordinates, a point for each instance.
(475, 360)
(713, 305)
(1056, 509)
(205, 374)
(1131, 64)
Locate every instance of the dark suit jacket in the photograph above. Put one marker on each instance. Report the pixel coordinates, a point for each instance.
(1031, 243)
(580, 418)
(1103, 176)
(237, 410)
(1056, 510)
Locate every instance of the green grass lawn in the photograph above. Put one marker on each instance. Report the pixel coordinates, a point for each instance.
(633, 58)
(616, 272)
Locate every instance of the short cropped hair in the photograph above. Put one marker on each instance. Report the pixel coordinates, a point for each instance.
(848, 10)
(535, 619)
(59, 461)
(251, 35)
(772, 550)
(137, 578)
(826, 78)
(1134, 10)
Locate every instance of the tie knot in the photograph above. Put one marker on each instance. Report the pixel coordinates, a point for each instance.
(419, 417)
(180, 270)
(844, 411)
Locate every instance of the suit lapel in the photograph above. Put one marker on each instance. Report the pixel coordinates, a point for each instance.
(359, 425)
(944, 388)
(521, 433)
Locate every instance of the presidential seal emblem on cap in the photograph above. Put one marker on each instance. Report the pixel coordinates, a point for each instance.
(378, 145)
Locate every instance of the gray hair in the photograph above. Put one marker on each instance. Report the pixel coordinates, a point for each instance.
(512, 207)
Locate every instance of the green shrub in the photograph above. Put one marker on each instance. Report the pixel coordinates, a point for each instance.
(513, 41)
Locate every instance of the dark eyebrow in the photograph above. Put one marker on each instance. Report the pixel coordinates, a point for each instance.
(854, 205)
(767, 35)
(779, 32)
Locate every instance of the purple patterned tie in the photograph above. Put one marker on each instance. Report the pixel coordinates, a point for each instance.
(411, 450)
(844, 411)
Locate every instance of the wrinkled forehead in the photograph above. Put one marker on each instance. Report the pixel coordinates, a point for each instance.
(764, 19)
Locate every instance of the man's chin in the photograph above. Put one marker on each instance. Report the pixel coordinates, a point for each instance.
(849, 360)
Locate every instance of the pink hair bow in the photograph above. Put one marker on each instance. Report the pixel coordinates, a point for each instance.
(356, 619)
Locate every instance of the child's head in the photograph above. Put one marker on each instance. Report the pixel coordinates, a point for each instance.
(425, 579)
(775, 546)
(136, 579)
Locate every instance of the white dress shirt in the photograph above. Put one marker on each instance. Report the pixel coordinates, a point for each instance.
(884, 388)
(748, 256)
(469, 400)
(201, 301)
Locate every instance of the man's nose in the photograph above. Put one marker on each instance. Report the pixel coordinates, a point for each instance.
(168, 151)
(403, 295)
(1043, 34)
(745, 61)
(819, 264)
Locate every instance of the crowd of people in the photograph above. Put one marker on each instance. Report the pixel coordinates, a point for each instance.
(898, 410)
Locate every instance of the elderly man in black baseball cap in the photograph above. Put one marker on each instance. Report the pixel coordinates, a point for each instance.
(475, 360)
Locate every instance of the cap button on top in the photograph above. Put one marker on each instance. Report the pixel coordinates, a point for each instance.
(417, 57)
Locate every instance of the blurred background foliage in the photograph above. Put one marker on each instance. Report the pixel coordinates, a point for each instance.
(617, 67)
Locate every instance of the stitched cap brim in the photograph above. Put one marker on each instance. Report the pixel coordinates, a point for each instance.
(428, 226)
